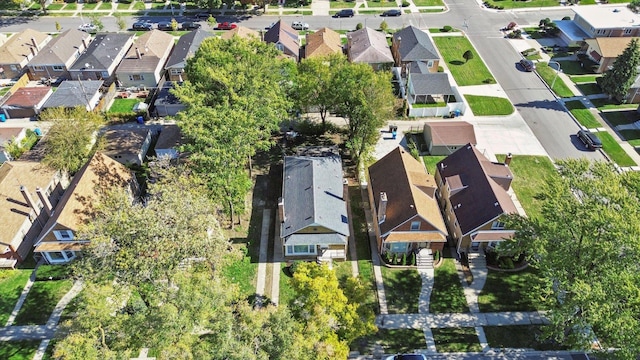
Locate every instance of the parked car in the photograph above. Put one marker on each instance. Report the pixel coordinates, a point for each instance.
(344, 13)
(165, 26)
(142, 26)
(407, 357)
(189, 25)
(203, 15)
(297, 25)
(89, 28)
(226, 26)
(527, 65)
(269, 26)
(589, 139)
(393, 12)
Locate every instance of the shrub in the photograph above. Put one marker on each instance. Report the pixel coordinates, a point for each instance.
(488, 81)
(405, 3)
(440, 69)
(387, 257)
(447, 28)
(413, 259)
(359, 26)
(506, 263)
(384, 26)
(404, 259)
(395, 259)
(294, 266)
(566, 18)
(436, 256)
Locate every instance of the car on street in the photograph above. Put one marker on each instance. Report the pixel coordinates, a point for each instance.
(142, 26)
(407, 357)
(189, 25)
(344, 13)
(297, 25)
(527, 65)
(203, 15)
(226, 26)
(269, 26)
(89, 28)
(165, 26)
(589, 139)
(392, 12)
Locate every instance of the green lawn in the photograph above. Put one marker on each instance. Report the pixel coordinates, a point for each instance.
(606, 104)
(123, 105)
(11, 285)
(447, 295)
(429, 105)
(402, 288)
(621, 117)
(286, 294)
(584, 115)
(71, 6)
(579, 79)
(431, 161)
(510, 291)
(376, 4)
(489, 105)
(441, 30)
(571, 68)
(548, 74)
(589, 88)
(363, 249)
(523, 4)
(123, 6)
(42, 299)
(518, 337)
(631, 136)
(105, 6)
(90, 6)
(613, 149)
(530, 174)
(428, 2)
(18, 350)
(473, 72)
(55, 6)
(242, 273)
(392, 341)
(138, 5)
(342, 5)
(456, 340)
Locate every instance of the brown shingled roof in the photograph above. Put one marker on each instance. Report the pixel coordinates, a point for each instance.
(610, 47)
(241, 32)
(19, 46)
(323, 42)
(28, 96)
(451, 133)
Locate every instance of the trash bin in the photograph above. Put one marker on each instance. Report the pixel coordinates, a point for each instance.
(457, 112)
(37, 131)
(394, 133)
(3, 118)
(140, 119)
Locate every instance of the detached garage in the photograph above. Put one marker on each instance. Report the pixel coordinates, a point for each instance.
(26, 102)
(445, 137)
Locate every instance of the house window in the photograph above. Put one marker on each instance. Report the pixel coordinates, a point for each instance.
(13, 68)
(300, 250)
(430, 63)
(38, 68)
(63, 235)
(280, 47)
(497, 225)
(398, 247)
(627, 31)
(58, 68)
(136, 77)
(601, 31)
(176, 71)
(58, 257)
(415, 225)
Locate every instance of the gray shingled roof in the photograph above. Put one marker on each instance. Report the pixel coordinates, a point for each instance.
(415, 45)
(431, 84)
(186, 47)
(313, 196)
(102, 51)
(369, 46)
(61, 48)
(72, 93)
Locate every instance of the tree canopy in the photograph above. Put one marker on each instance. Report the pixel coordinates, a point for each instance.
(617, 80)
(587, 247)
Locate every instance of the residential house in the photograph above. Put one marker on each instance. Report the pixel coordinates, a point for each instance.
(285, 38)
(370, 47)
(186, 47)
(73, 93)
(590, 22)
(101, 58)
(127, 146)
(473, 194)
(241, 32)
(58, 242)
(28, 190)
(403, 203)
(322, 42)
(10, 135)
(143, 66)
(26, 102)
(167, 104)
(445, 137)
(169, 139)
(428, 88)
(411, 45)
(605, 50)
(54, 60)
(312, 210)
(18, 50)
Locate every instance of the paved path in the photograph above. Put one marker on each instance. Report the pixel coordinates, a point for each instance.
(262, 257)
(353, 251)
(375, 259)
(440, 321)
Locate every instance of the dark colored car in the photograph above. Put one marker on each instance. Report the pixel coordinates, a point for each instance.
(190, 26)
(226, 26)
(589, 139)
(142, 26)
(407, 357)
(527, 65)
(203, 15)
(393, 12)
(165, 26)
(344, 13)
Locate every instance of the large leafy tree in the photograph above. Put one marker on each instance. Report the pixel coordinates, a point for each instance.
(208, 4)
(634, 5)
(616, 81)
(587, 247)
(68, 142)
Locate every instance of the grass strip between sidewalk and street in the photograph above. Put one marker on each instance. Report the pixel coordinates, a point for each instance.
(456, 340)
(519, 337)
(582, 114)
(548, 74)
(614, 150)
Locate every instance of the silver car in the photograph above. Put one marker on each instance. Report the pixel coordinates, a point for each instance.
(297, 25)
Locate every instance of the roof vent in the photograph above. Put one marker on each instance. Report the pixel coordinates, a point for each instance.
(616, 10)
(496, 203)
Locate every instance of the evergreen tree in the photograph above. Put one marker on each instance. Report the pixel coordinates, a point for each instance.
(616, 81)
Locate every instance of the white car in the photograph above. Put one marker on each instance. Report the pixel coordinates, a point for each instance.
(297, 25)
(90, 28)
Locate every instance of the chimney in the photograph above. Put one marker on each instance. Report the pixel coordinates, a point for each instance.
(33, 51)
(85, 42)
(138, 54)
(29, 200)
(45, 201)
(382, 207)
(507, 159)
(281, 209)
(34, 43)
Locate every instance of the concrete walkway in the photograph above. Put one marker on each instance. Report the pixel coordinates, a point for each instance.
(262, 257)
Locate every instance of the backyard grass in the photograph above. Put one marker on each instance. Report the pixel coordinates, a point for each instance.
(489, 105)
(530, 174)
(456, 340)
(392, 341)
(11, 285)
(579, 79)
(548, 74)
(242, 273)
(472, 72)
(589, 88)
(41, 300)
(518, 337)
(18, 350)
(447, 295)
(402, 288)
(429, 105)
(286, 294)
(523, 4)
(510, 291)
(123, 105)
(606, 104)
(431, 161)
(582, 114)
(614, 150)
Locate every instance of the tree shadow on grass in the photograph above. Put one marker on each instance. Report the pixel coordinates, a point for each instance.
(24, 349)
(42, 299)
(402, 288)
(391, 341)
